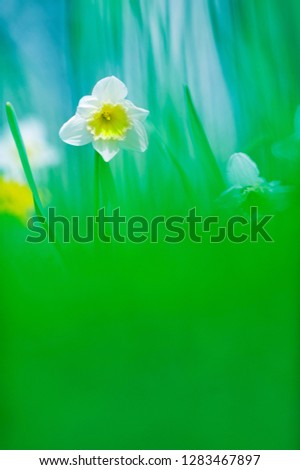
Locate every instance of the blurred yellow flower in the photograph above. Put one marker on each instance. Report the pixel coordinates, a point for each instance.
(15, 199)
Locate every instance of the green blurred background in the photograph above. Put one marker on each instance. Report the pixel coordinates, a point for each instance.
(154, 346)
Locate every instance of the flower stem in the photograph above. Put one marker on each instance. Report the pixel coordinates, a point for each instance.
(97, 181)
(105, 189)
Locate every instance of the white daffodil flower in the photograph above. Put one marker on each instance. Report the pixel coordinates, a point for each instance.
(41, 154)
(244, 181)
(107, 120)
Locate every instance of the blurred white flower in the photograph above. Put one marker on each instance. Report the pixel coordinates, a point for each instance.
(41, 154)
(108, 120)
(242, 172)
(246, 184)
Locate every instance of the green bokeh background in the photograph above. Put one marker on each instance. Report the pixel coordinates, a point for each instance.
(155, 346)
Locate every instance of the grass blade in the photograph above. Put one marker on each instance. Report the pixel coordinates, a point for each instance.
(212, 171)
(15, 130)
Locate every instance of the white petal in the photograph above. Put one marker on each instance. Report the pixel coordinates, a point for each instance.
(242, 171)
(74, 131)
(15, 173)
(110, 89)
(87, 106)
(134, 112)
(107, 148)
(136, 138)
